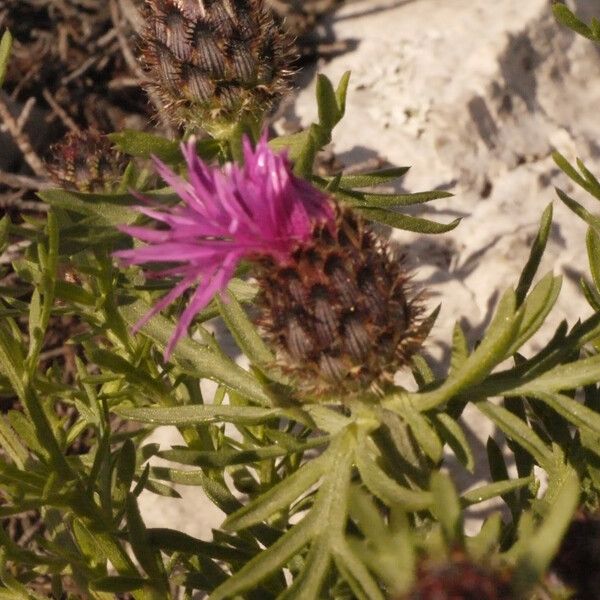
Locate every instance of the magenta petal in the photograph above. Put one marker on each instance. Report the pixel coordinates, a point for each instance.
(258, 209)
(202, 296)
(146, 235)
(177, 291)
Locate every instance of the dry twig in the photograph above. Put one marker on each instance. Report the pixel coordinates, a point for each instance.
(24, 181)
(60, 112)
(15, 128)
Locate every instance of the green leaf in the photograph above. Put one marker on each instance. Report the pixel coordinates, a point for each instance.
(591, 294)
(4, 227)
(12, 365)
(492, 490)
(303, 146)
(119, 585)
(575, 412)
(108, 210)
(387, 548)
(218, 493)
(331, 509)
(133, 375)
(147, 556)
(314, 140)
(446, 507)
(104, 545)
(74, 294)
(370, 179)
(592, 181)
(593, 249)
(225, 457)
(11, 444)
(326, 419)
(535, 255)
(492, 350)
(144, 145)
(197, 359)
(460, 349)
(268, 561)
(422, 371)
(279, 496)
(160, 489)
(569, 170)
(329, 113)
(451, 432)
(535, 308)
(171, 540)
(293, 143)
(201, 413)
(365, 200)
(539, 549)
(499, 473)
(425, 435)
(11, 361)
(523, 460)
(518, 431)
(244, 332)
(380, 484)
(341, 92)
(308, 583)
(487, 540)
(126, 466)
(570, 376)
(406, 222)
(356, 574)
(566, 17)
(579, 210)
(41, 309)
(5, 49)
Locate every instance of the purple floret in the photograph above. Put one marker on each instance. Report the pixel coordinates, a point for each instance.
(258, 209)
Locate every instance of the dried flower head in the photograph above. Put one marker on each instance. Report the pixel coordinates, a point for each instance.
(333, 301)
(211, 61)
(460, 579)
(86, 161)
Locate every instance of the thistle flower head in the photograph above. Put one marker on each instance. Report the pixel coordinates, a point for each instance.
(259, 209)
(333, 300)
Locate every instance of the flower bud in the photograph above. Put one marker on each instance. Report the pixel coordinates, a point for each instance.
(86, 162)
(212, 62)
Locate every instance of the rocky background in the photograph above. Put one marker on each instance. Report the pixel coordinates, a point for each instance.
(475, 95)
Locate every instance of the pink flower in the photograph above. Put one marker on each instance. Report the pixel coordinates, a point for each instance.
(258, 209)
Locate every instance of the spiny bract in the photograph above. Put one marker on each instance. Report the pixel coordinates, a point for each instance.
(339, 312)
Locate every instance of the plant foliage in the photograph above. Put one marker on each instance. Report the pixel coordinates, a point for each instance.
(342, 499)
